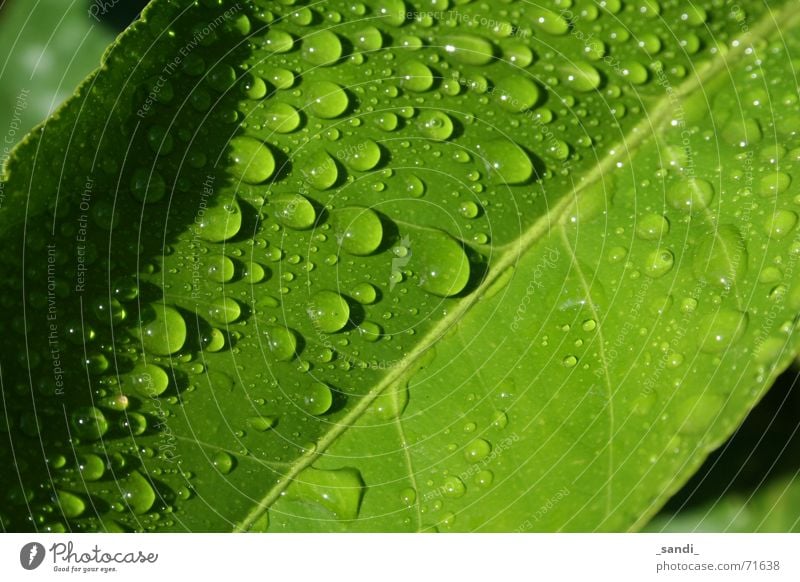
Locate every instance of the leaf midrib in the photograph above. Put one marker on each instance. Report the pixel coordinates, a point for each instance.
(510, 253)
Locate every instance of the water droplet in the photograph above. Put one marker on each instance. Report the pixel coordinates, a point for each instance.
(359, 231)
(392, 12)
(282, 342)
(250, 160)
(278, 41)
(720, 330)
(484, 478)
(658, 263)
(136, 492)
(774, 184)
(516, 93)
(435, 125)
(580, 76)
(293, 211)
(262, 423)
(281, 78)
(224, 311)
(499, 419)
(165, 333)
(697, 412)
(322, 48)
(415, 77)
(690, 194)
(440, 263)
(408, 496)
(338, 492)
(781, 223)
(316, 399)
(454, 488)
(148, 186)
(319, 170)
(148, 380)
(548, 22)
(70, 504)
(364, 293)
(329, 311)
(652, 227)
(327, 100)
(360, 155)
(219, 268)
(91, 467)
(219, 222)
(413, 186)
(391, 403)
(369, 39)
(506, 162)
(468, 209)
(223, 462)
(721, 257)
(477, 450)
(281, 118)
(467, 49)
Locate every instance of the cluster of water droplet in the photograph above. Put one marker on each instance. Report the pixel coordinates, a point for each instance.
(308, 191)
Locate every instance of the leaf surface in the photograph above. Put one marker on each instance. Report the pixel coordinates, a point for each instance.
(379, 267)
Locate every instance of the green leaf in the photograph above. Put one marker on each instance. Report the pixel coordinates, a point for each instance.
(383, 267)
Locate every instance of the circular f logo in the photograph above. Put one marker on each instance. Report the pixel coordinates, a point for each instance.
(31, 555)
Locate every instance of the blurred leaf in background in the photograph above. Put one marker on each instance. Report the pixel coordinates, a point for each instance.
(752, 482)
(47, 47)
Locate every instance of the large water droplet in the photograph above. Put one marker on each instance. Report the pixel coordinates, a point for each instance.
(477, 450)
(148, 380)
(224, 311)
(281, 341)
(165, 333)
(658, 263)
(358, 230)
(435, 125)
(690, 194)
(415, 77)
(516, 93)
(580, 76)
(319, 170)
(548, 21)
(322, 48)
(467, 49)
(136, 492)
(721, 257)
(70, 504)
(440, 263)
(250, 160)
(507, 162)
(316, 399)
(89, 423)
(338, 492)
(219, 222)
(329, 311)
(720, 330)
(281, 118)
(326, 100)
(293, 211)
(360, 155)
